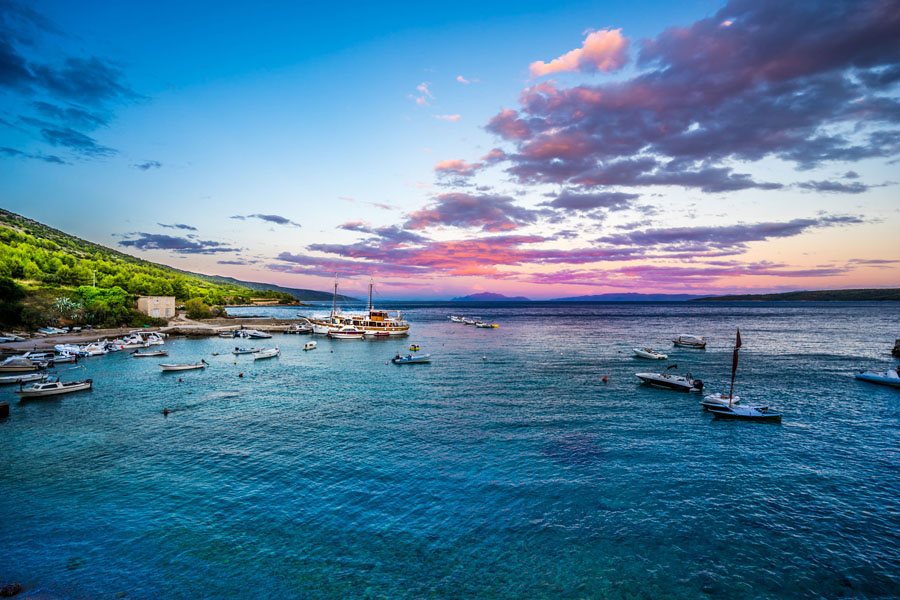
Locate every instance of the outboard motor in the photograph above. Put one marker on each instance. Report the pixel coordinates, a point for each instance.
(698, 384)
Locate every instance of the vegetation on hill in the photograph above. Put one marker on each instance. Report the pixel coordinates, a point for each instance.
(50, 273)
(863, 295)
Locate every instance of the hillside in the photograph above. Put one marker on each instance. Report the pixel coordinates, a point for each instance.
(863, 295)
(629, 297)
(490, 297)
(298, 293)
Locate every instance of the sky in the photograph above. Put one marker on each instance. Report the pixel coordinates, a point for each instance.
(541, 149)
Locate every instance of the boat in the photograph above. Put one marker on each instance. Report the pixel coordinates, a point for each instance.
(309, 346)
(298, 329)
(21, 364)
(374, 320)
(149, 353)
(183, 366)
(746, 413)
(26, 378)
(381, 334)
(469, 321)
(650, 353)
(414, 347)
(226, 334)
(239, 351)
(411, 359)
(671, 381)
(733, 410)
(482, 325)
(54, 387)
(890, 377)
(455, 319)
(267, 353)
(11, 337)
(258, 335)
(347, 332)
(690, 341)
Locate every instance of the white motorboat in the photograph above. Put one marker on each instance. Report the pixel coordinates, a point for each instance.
(298, 329)
(53, 387)
(482, 325)
(26, 378)
(226, 334)
(239, 351)
(21, 364)
(719, 400)
(455, 319)
(347, 332)
(266, 353)
(309, 346)
(650, 353)
(183, 366)
(411, 359)
(469, 321)
(258, 335)
(690, 341)
(890, 377)
(671, 381)
(746, 413)
(149, 353)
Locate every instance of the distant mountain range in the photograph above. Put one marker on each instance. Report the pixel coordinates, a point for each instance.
(862, 295)
(629, 297)
(490, 297)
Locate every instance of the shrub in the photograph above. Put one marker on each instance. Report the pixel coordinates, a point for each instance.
(196, 309)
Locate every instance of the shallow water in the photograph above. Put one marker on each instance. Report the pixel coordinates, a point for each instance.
(504, 469)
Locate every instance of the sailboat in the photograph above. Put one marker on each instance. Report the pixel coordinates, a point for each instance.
(375, 322)
(716, 403)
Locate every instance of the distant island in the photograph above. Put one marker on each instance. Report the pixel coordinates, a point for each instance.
(864, 295)
(490, 297)
(629, 297)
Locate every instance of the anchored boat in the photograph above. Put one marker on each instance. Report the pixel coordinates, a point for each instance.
(690, 341)
(54, 387)
(309, 346)
(891, 377)
(732, 410)
(266, 353)
(671, 381)
(411, 359)
(28, 377)
(183, 366)
(650, 353)
(374, 321)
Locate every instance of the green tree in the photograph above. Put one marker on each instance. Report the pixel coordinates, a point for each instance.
(11, 295)
(196, 309)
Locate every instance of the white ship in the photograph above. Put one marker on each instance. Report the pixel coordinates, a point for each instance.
(373, 322)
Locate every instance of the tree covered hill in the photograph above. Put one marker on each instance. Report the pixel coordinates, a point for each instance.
(861, 295)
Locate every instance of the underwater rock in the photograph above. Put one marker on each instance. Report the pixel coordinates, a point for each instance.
(10, 589)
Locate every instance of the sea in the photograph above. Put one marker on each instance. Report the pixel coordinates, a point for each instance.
(524, 461)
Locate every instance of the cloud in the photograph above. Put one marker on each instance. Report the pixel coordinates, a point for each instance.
(50, 158)
(487, 212)
(494, 156)
(424, 94)
(237, 262)
(805, 85)
(277, 219)
(178, 226)
(834, 187)
(179, 245)
(393, 236)
(76, 141)
(451, 118)
(148, 164)
(462, 79)
(70, 115)
(457, 167)
(604, 50)
(90, 81)
(569, 200)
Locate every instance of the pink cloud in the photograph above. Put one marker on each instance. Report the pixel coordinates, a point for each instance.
(604, 50)
(457, 167)
(462, 79)
(451, 118)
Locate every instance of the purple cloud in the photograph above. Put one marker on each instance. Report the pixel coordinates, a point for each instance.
(179, 245)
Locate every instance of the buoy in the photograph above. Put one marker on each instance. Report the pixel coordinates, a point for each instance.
(604, 379)
(240, 374)
(166, 412)
(484, 358)
(235, 362)
(179, 379)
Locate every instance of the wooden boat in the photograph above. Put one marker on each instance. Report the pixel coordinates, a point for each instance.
(53, 387)
(238, 351)
(149, 353)
(26, 378)
(731, 409)
(372, 322)
(309, 346)
(671, 381)
(650, 353)
(183, 366)
(891, 377)
(266, 353)
(411, 359)
(690, 341)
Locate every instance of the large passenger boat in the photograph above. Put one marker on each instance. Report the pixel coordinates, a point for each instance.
(373, 322)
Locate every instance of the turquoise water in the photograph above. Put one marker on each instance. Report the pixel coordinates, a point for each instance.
(331, 474)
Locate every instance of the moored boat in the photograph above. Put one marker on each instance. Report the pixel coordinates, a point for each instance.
(21, 364)
(891, 377)
(347, 332)
(746, 413)
(309, 346)
(53, 387)
(650, 353)
(411, 359)
(671, 381)
(374, 320)
(482, 325)
(267, 353)
(690, 341)
(239, 351)
(149, 353)
(256, 334)
(24, 378)
(298, 329)
(183, 366)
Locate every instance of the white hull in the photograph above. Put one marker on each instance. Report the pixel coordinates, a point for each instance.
(40, 390)
(649, 353)
(188, 367)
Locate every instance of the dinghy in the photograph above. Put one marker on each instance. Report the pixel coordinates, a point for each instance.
(690, 341)
(266, 353)
(309, 346)
(483, 325)
(239, 351)
(650, 353)
(890, 377)
(53, 387)
(411, 359)
(149, 353)
(183, 366)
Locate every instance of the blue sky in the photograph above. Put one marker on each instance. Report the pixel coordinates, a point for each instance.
(335, 120)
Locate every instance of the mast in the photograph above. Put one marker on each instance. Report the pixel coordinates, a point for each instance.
(734, 364)
(334, 301)
(371, 285)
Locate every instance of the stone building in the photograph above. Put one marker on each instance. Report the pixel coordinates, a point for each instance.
(161, 307)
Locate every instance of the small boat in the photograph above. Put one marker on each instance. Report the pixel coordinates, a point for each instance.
(746, 413)
(226, 334)
(414, 347)
(183, 366)
(10, 337)
(259, 335)
(890, 377)
(455, 319)
(347, 332)
(149, 353)
(238, 351)
(650, 353)
(380, 334)
(267, 353)
(690, 341)
(28, 377)
(411, 359)
(21, 364)
(469, 321)
(309, 346)
(298, 329)
(671, 381)
(53, 387)
(718, 400)
(482, 325)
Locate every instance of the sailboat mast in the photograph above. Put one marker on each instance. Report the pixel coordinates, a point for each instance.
(334, 301)
(371, 285)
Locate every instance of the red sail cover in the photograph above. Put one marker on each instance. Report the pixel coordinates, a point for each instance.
(734, 362)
